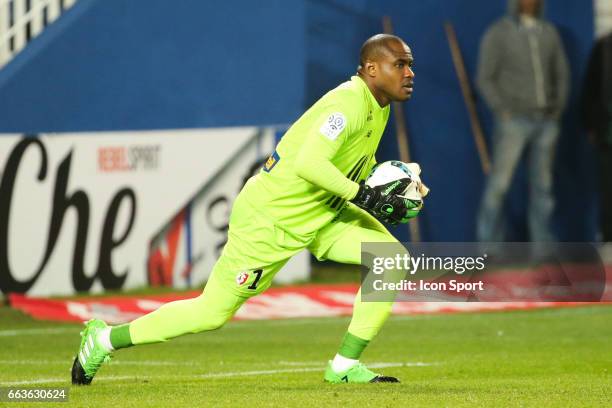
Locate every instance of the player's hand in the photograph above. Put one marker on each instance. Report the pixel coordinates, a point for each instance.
(382, 201)
(413, 209)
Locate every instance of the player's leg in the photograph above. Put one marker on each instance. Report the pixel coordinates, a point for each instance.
(255, 251)
(232, 282)
(341, 242)
(209, 311)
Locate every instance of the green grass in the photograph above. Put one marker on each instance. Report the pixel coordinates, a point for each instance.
(559, 357)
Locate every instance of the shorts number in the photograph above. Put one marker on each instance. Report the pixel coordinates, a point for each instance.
(258, 272)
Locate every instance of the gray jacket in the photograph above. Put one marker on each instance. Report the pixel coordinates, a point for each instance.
(523, 70)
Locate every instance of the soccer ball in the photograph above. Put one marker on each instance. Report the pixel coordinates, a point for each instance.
(392, 170)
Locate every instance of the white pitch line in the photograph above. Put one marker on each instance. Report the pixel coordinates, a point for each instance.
(260, 372)
(239, 324)
(28, 382)
(212, 375)
(300, 363)
(113, 362)
(65, 379)
(288, 370)
(21, 332)
(318, 364)
(243, 324)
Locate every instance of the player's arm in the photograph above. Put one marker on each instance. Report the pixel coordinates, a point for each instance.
(314, 159)
(314, 164)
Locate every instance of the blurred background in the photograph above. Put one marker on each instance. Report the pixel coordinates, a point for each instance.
(128, 127)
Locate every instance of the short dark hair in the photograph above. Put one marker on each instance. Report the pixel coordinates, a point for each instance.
(375, 46)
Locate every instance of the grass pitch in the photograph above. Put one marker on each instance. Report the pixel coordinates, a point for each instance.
(558, 357)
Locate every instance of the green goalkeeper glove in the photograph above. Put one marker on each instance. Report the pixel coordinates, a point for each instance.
(413, 209)
(384, 203)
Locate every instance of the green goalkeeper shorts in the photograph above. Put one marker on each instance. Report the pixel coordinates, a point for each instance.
(257, 248)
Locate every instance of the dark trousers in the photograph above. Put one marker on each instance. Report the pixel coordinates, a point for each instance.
(605, 193)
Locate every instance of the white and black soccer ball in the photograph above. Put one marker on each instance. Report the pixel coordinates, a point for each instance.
(392, 170)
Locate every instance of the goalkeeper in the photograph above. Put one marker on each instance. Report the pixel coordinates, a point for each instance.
(308, 195)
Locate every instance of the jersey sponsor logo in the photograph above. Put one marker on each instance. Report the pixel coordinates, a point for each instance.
(271, 162)
(333, 126)
(241, 278)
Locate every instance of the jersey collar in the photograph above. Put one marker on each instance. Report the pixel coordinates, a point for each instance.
(361, 83)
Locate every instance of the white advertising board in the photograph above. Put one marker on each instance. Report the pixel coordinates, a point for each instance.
(87, 212)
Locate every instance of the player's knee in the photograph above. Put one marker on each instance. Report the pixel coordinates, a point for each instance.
(217, 321)
(209, 322)
(210, 316)
(388, 238)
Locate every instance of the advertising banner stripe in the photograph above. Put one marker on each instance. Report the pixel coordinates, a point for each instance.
(277, 303)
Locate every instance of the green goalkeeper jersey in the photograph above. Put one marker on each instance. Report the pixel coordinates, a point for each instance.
(319, 161)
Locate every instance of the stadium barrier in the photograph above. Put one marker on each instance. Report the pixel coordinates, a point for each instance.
(88, 212)
(23, 20)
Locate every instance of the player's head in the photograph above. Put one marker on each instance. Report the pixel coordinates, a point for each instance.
(385, 63)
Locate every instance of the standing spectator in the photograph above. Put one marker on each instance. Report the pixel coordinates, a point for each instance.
(597, 116)
(524, 77)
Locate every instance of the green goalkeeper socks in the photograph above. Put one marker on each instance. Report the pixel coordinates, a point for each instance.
(352, 346)
(120, 336)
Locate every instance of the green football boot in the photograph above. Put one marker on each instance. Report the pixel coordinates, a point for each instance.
(358, 374)
(91, 354)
